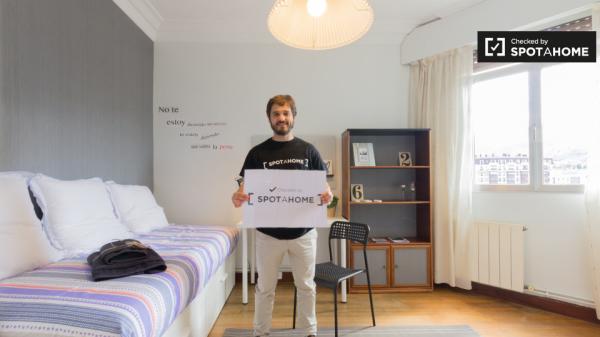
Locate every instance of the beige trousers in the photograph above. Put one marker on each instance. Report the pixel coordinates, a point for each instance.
(269, 254)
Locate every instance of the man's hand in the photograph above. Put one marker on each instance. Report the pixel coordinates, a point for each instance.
(326, 196)
(239, 197)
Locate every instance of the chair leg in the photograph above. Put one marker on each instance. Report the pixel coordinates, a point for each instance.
(371, 298)
(335, 310)
(295, 295)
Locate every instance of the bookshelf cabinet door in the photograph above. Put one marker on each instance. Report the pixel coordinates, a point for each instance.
(411, 267)
(378, 267)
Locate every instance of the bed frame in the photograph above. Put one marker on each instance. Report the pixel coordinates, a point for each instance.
(199, 317)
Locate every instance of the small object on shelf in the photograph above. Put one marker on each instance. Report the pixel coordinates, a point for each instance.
(404, 159)
(413, 191)
(329, 165)
(377, 200)
(356, 192)
(367, 200)
(363, 154)
(398, 239)
(403, 192)
(379, 240)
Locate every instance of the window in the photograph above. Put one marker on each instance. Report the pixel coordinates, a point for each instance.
(532, 121)
(567, 101)
(501, 129)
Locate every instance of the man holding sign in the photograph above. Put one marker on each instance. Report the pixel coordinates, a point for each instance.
(283, 151)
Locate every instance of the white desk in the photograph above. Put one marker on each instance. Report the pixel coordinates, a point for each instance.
(341, 259)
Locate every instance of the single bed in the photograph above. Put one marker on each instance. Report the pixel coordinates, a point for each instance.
(61, 300)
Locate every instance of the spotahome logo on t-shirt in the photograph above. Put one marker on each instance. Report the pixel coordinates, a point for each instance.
(281, 162)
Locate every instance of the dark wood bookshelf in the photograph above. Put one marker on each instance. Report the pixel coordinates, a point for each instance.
(394, 266)
(413, 202)
(388, 167)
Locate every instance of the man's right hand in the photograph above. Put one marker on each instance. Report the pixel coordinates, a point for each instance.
(238, 198)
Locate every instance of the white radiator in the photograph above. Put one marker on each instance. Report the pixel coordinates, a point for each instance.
(498, 255)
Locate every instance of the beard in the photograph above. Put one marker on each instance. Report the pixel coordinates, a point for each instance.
(280, 129)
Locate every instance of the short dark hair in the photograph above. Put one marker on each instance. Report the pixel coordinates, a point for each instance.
(281, 100)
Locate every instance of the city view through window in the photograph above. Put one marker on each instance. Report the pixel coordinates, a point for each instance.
(547, 109)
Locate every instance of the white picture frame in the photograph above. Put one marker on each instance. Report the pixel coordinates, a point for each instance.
(363, 154)
(357, 192)
(329, 165)
(404, 159)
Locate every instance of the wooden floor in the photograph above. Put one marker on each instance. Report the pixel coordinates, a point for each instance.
(488, 316)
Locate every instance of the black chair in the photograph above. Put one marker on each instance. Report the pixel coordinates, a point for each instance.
(330, 275)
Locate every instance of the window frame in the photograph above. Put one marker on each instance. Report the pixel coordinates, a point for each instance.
(536, 150)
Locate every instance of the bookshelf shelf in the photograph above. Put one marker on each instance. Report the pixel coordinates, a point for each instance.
(389, 203)
(387, 167)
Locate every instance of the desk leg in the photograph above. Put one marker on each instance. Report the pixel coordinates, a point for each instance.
(252, 256)
(244, 266)
(343, 264)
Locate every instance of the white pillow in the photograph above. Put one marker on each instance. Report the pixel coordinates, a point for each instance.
(78, 214)
(137, 208)
(23, 244)
(25, 174)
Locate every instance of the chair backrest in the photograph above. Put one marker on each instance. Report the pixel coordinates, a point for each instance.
(346, 230)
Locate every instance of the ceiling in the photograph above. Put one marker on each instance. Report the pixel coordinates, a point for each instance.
(244, 21)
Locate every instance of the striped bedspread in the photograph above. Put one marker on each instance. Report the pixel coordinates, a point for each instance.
(61, 299)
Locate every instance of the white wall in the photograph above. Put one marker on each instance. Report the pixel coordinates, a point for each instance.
(351, 87)
(556, 258)
(555, 244)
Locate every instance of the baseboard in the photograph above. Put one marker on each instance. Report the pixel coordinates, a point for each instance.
(539, 302)
(286, 276)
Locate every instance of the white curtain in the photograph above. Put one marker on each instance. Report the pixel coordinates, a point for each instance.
(592, 186)
(592, 204)
(440, 100)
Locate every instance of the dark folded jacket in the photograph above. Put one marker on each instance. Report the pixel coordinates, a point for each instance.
(123, 258)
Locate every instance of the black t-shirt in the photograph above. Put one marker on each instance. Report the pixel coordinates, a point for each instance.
(295, 154)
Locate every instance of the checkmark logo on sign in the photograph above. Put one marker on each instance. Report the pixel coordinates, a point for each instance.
(495, 46)
(272, 189)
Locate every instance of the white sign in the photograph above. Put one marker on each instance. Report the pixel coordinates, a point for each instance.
(284, 198)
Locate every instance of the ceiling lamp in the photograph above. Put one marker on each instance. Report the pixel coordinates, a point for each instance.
(319, 24)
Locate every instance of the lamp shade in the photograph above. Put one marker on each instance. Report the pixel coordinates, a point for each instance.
(319, 24)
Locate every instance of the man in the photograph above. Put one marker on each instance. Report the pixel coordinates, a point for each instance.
(273, 243)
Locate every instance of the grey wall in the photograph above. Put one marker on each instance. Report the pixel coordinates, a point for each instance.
(76, 81)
